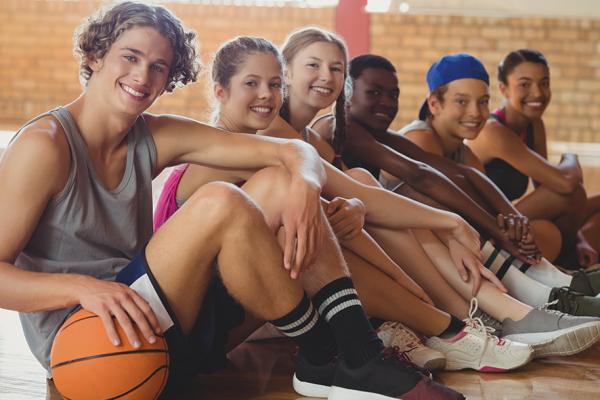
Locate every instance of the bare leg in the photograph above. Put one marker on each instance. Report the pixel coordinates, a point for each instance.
(385, 299)
(381, 295)
(547, 237)
(566, 211)
(363, 176)
(406, 251)
(499, 305)
(220, 223)
(403, 248)
(269, 188)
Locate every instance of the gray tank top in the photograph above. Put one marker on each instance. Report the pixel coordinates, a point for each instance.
(419, 125)
(87, 229)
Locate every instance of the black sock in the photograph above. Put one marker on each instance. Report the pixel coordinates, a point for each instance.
(455, 326)
(339, 305)
(376, 322)
(309, 331)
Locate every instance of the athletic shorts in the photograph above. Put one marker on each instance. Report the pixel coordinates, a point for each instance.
(204, 350)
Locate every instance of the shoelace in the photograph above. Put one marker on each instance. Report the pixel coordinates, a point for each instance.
(567, 295)
(394, 353)
(408, 336)
(546, 308)
(490, 321)
(477, 324)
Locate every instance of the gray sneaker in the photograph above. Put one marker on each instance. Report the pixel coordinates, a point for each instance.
(552, 333)
(489, 321)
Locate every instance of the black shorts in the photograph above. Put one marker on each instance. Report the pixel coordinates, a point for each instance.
(204, 349)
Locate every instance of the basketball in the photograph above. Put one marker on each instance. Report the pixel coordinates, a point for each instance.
(86, 365)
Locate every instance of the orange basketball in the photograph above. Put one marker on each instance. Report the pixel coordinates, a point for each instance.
(86, 365)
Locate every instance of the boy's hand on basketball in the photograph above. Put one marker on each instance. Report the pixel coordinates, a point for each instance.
(346, 216)
(111, 300)
(302, 225)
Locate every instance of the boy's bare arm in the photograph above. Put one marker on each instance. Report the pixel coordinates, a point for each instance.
(33, 170)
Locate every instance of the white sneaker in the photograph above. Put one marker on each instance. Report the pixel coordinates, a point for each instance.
(394, 334)
(476, 348)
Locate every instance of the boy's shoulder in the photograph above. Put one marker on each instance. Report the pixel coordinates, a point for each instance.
(43, 146)
(45, 134)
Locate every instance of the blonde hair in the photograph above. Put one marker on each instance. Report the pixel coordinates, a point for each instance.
(294, 43)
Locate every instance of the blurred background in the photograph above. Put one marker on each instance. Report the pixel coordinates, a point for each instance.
(38, 70)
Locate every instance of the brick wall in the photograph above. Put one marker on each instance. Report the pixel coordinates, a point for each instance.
(38, 71)
(572, 46)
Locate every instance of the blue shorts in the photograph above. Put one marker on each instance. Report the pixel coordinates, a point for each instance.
(204, 349)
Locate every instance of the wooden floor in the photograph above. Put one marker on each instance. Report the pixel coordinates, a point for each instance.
(263, 370)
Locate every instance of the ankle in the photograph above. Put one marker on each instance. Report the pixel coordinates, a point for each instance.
(455, 326)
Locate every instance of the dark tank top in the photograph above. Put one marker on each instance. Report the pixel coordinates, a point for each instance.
(356, 162)
(512, 182)
(353, 160)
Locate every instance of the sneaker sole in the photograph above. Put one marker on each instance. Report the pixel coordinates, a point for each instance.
(340, 393)
(482, 367)
(435, 364)
(563, 342)
(308, 389)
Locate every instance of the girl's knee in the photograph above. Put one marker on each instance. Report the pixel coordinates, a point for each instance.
(269, 187)
(220, 198)
(363, 176)
(274, 178)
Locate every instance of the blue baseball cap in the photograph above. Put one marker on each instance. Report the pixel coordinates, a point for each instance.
(450, 68)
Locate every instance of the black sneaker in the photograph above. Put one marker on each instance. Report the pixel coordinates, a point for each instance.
(386, 376)
(313, 380)
(569, 301)
(586, 281)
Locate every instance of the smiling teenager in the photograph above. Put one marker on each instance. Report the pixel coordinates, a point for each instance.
(321, 63)
(78, 183)
(455, 110)
(247, 76)
(370, 144)
(512, 147)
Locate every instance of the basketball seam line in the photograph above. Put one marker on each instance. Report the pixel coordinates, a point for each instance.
(80, 319)
(136, 387)
(62, 328)
(61, 364)
(141, 384)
